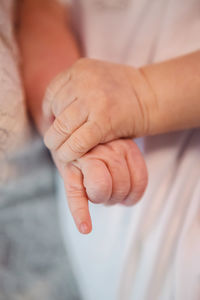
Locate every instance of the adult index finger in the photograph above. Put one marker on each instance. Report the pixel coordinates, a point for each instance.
(77, 198)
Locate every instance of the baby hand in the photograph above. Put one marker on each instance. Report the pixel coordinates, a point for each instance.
(111, 173)
(94, 102)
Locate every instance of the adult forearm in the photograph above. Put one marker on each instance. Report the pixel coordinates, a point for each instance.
(176, 88)
(47, 45)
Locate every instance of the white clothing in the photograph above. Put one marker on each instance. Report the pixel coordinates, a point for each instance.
(150, 251)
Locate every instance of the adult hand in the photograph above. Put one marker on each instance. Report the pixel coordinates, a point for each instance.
(108, 174)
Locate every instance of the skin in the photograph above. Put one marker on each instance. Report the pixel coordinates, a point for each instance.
(113, 173)
(95, 102)
(91, 102)
(48, 47)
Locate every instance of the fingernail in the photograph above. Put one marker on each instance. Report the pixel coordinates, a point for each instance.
(84, 228)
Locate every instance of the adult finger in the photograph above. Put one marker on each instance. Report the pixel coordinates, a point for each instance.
(77, 198)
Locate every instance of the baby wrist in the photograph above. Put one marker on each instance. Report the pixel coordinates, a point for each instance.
(147, 102)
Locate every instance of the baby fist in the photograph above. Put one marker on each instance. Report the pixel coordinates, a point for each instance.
(94, 102)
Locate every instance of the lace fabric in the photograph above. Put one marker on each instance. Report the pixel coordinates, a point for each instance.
(14, 125)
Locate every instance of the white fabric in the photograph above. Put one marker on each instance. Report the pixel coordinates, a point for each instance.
(150, 251)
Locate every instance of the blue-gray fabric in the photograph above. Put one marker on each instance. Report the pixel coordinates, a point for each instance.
(33, 262)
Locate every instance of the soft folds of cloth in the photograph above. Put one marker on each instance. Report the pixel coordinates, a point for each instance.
(14, 126)
(33, 261)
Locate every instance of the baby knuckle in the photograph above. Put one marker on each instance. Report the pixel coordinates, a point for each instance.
(62, 155)
(97, 128)
(60, 126)
(77, 144)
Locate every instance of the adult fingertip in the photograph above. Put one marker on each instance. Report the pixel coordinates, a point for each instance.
(85, 228)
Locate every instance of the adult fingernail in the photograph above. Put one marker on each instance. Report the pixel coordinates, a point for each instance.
(84, 228)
